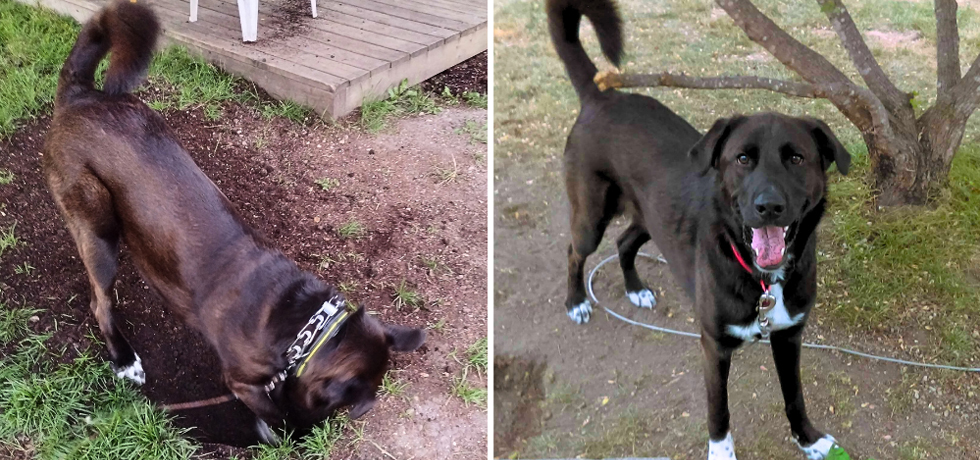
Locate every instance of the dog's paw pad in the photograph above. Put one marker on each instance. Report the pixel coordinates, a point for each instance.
(581, 313)
(818, 450)
(265, 433)
(723, 449)
(133, 371)
(643, 298)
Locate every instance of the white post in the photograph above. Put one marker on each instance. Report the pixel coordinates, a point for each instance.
(313, 4)
(193, 11)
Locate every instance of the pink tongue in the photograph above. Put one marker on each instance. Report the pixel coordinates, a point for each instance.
(769, 244)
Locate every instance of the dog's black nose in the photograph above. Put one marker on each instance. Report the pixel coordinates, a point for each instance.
(769, 204)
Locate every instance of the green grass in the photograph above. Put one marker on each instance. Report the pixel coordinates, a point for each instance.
(24, 269)
(405, 296)
(352, 229)
(326, 183)
(476, 130)
(14, 323)
(475, 99)
(77, 410)
(7, 238)
(464, 390)
(6, 177)
(391, 386)
(286, 109)
(401, 101)
(461, 385)
(908, 268)
(33, 46)
(476, 355)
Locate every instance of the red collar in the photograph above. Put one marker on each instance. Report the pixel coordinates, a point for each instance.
(765, 287)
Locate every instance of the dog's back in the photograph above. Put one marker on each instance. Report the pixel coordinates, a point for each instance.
(112, 162)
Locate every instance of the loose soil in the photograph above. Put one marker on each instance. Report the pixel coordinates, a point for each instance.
(422, 230)
(467, 76)
(616, 390)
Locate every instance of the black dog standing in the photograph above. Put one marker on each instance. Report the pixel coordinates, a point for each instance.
(734, 213)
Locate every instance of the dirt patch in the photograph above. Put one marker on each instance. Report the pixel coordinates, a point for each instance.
(890, 40)
(518, 385)
(426, 233)
(467, 76)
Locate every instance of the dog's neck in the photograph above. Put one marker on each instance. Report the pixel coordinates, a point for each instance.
(299, 302)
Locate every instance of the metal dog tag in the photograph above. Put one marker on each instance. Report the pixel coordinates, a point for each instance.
(766, 302)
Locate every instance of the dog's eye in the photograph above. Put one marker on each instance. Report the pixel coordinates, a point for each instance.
(742, 159)
(796, 159)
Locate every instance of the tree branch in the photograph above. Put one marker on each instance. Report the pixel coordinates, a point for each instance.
(947, 47)
(856, 96)
(965, 96)
(799, 58)
(894, 100)
(808, 64)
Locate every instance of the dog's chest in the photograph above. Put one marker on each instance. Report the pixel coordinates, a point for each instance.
(779, 318)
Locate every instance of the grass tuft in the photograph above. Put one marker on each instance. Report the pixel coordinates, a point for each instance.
(326, 183)
(390, 386)
(464, 390)
(406, 297)
(401, 101)
(6, 177)
(352, 230)
(475, 99)
(7, 239)
(476, 130)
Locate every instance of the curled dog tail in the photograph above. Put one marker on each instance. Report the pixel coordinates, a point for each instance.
(564, 17)
(126, 29)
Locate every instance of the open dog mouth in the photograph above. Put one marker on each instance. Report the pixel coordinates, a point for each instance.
(769, 244)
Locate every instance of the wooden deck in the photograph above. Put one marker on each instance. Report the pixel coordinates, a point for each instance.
(353, 51)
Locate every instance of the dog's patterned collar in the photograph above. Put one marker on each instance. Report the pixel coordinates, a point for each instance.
(321, 327)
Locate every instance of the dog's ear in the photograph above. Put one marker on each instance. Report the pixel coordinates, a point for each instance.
(706, 151)
(404, 339)
(830, 148)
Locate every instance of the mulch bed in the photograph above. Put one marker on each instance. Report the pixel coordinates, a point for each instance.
(468, 76)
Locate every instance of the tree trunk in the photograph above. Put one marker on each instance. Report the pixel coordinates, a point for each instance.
(913, 164)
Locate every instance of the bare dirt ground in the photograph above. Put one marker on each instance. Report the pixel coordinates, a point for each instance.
(609, 389)
(423, 231)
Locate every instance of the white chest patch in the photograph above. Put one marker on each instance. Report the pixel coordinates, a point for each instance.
(779, 319)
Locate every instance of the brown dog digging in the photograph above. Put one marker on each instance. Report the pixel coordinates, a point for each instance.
(291, 349)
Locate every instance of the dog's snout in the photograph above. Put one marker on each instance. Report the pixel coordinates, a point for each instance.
(769, 205)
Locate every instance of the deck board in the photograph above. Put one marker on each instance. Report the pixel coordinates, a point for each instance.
(355, 50)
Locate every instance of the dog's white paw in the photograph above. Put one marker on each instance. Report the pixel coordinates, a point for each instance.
(820, 449)
(722, 450)
(581, 313)
(265, 433)
(133, 371)
(643, 298)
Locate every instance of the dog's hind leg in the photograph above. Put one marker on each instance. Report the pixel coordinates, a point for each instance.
(87, 207)
(786, 355)
(629, 244)
(594, 204)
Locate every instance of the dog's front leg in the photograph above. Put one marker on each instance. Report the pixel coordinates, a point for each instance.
(786, 354)
(717, 362)
(256, 398)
